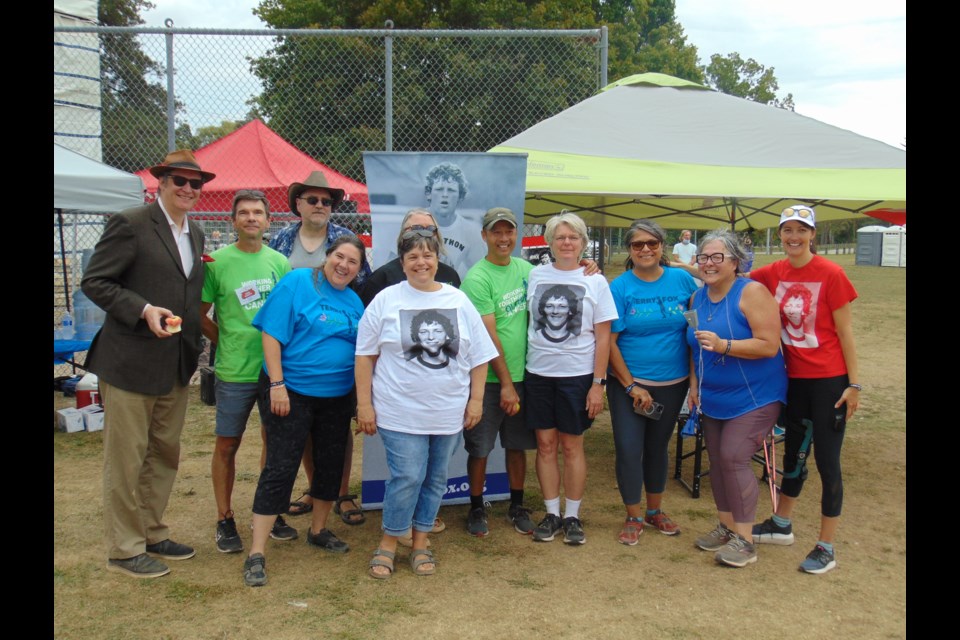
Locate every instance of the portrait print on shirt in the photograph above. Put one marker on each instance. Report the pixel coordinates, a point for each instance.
(558, 310)
(798, 313)
(431, 337)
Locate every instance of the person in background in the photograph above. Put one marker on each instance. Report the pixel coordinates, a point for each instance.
(824, 389)
(445, 188)
(684, 251)
(649, 361)
(748, 255)
(237, 281)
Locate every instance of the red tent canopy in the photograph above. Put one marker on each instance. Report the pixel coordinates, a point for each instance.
(254, 157)
(893, 216)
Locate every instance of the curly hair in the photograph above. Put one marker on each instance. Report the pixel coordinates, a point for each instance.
(573, 303)
(801, 291)
(446, 171)
(428, 317)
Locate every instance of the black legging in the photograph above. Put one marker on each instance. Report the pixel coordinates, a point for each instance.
(813, 399)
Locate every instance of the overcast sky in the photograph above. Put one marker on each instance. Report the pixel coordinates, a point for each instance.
(844, 61)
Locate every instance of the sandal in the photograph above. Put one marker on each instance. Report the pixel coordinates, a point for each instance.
(378, 561)
(407, 540)
(298, 507)
(438, 525)
(420, 557)
(349, 516)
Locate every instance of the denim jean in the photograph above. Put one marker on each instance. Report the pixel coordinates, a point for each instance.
(418, 478)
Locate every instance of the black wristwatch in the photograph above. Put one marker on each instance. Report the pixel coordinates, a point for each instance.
(600, 381)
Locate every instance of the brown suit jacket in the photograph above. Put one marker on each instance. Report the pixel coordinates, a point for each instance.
(136, 262)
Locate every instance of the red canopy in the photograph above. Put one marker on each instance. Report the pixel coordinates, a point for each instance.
(254, 157)
(893, 216)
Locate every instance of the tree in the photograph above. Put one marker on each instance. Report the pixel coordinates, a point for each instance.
(748, 79)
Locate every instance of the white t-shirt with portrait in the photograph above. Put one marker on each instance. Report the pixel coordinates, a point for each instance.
(564, 306)
(421, 388)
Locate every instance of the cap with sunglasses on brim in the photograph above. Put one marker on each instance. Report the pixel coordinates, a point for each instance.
(496, 214)
(800, 213)
(180, 159)
(316, 180)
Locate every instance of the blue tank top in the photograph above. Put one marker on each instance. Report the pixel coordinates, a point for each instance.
(729, 386)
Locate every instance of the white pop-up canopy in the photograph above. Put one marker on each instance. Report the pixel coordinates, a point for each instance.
(82, 184)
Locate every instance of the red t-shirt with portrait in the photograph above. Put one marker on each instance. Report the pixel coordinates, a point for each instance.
(807, 297)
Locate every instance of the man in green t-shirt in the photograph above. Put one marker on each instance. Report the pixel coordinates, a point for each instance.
(497, 286)
(236, 283)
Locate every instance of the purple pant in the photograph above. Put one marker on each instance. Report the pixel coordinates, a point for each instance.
(730, 445)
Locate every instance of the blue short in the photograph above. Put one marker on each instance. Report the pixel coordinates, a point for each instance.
(235, 400)
(558, 403)
(514, 434)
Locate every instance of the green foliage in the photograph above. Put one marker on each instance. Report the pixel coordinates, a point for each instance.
(748, 79)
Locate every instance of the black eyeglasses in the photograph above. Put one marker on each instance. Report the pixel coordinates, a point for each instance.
(422, 230)
(312, 200)
(638, 245)
(195, 183)
(715, 258)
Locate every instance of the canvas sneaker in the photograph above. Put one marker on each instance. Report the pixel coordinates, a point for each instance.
(282, 531)
(768, 532)
(141, 566)
(477, 522)
(630, 534)
(663, 523)
(573, 531)
(716, 539)
(228, 540)
(519, 517)
(255, 570)
(819, 561)
(547, 528)
(737, 552)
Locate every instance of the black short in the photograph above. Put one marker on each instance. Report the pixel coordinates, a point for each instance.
(557, 403)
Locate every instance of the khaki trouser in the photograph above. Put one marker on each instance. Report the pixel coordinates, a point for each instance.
(141, 453)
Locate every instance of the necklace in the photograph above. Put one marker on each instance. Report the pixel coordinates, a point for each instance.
(713, 307)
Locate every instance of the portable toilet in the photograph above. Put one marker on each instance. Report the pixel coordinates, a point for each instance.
(894, 250)
(870, 245)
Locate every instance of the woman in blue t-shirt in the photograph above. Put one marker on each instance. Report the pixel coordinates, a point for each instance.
(309, 326)
(650, 367)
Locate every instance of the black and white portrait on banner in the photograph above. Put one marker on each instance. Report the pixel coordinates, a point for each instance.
(558, 310)
(430, 337)
(457, 188)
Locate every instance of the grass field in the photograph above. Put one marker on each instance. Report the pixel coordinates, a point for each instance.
(505, 586)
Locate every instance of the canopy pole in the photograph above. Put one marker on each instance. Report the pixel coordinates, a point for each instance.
(63, 260)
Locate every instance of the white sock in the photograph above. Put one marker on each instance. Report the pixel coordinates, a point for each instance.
(553, 506)
(572, 509)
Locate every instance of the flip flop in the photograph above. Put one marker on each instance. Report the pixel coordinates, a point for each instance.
(378, 561)
(349, 516)
(420, 557)
(298, 507)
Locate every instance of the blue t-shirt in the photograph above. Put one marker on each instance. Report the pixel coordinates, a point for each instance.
(317, 330)
(651, 325)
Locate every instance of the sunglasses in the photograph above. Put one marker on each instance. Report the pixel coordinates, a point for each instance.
(243, 194)
(796, 212)
(715, 258)
(195, 183)
(312, 200)
(421, 230)
(638, 245)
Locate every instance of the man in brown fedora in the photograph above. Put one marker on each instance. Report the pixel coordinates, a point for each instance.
(305, 243)
(146, 272)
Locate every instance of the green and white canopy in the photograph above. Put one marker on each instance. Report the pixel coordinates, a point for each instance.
(655, 146)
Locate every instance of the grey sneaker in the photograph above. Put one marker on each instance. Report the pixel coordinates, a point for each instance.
(327, 541)
(547, 528)
(714, 540)
(477, 522)
(282, 531)
(768, 532)
(573, 531)
(141, 566)
(737, 552)
(519, 517)
(228, 540)
(170, 550)
(255, 570)
(819, 561)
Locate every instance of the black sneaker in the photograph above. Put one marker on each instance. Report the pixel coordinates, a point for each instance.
(228, 540)
(171, 550)
(141, 566)
(547, 528)
(573, 531)
(519, 517)
(768, 532)
(327, 541)
(282, 531)
(477, 522)
(255, 570)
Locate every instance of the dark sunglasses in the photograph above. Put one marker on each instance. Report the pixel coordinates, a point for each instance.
(638, 245)
(422, 230)
(243, 194)
(195, 183)
(312, 200)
